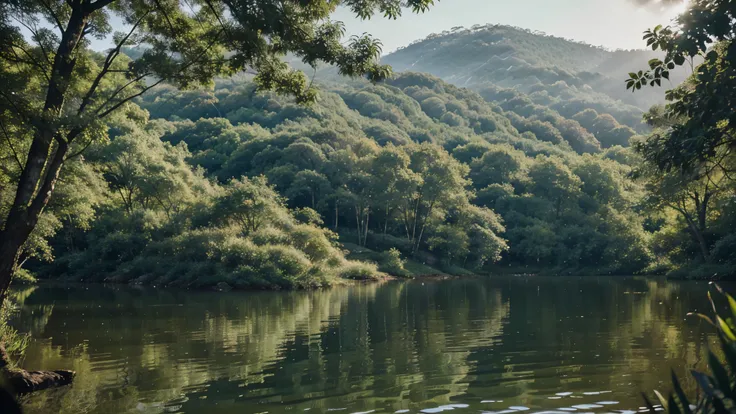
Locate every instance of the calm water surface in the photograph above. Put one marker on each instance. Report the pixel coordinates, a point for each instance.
(524, 344)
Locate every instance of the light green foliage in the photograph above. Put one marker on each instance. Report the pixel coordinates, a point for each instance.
(553, 180)
(15, 343)
(166, 224)
(413, 196)
(392, 263)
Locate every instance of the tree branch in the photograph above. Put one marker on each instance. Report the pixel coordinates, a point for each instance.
(128, 99)
(106, 66)
(91, 7)
(10, 144)
(166, 16)
(53, 15)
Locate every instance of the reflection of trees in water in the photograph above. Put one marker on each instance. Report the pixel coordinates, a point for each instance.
(265, 347)
(386, 346)
(591, 334)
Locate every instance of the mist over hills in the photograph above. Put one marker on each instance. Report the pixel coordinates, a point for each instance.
(522, 59)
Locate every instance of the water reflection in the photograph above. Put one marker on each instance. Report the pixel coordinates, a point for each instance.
(503, 345)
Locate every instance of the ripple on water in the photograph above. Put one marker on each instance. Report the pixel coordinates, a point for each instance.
(563, 394)
(586, 406)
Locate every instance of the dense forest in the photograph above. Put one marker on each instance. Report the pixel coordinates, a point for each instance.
(232, 187)
(530, 161)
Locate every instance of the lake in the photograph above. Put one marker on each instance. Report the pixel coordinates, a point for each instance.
(503, 344)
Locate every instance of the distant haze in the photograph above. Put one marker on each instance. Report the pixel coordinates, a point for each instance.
(613, 24)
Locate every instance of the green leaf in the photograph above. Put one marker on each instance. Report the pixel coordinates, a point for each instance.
(684, 402)
(648, 403)
(679, 59)
(719, 373)
(672, 406)
(633, 75)
(728, 350)
(705, 382)
(731, 301)
(666, 74)
(725, 328)
(662, 400)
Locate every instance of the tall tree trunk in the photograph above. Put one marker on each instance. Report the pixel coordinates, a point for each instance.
(357, 224)
(365, 227)
(424, 223)
(336, 215)
(704, 252)
(29, 203)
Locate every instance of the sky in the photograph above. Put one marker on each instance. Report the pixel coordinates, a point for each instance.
(614, 24)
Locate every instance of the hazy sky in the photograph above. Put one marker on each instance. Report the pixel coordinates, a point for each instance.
(609, 23)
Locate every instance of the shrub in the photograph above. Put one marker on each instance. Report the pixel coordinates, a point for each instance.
(15, 343)
(359, 271)
(392, 263)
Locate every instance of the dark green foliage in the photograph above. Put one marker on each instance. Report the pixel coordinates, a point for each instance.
(688, 160)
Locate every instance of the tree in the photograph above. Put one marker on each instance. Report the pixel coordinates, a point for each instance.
(442, 183)
(552, 179)
(705, 103)
(57, 93)
(311, 183)
(393, 179)
(249, 203)
(142, 170)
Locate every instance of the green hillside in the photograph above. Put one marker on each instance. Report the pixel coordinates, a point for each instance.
(558, 73)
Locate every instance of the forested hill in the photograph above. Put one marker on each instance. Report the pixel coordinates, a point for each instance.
(365, 151)
(561, 74)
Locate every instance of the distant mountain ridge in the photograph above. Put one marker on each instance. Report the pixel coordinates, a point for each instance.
(557, 70)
